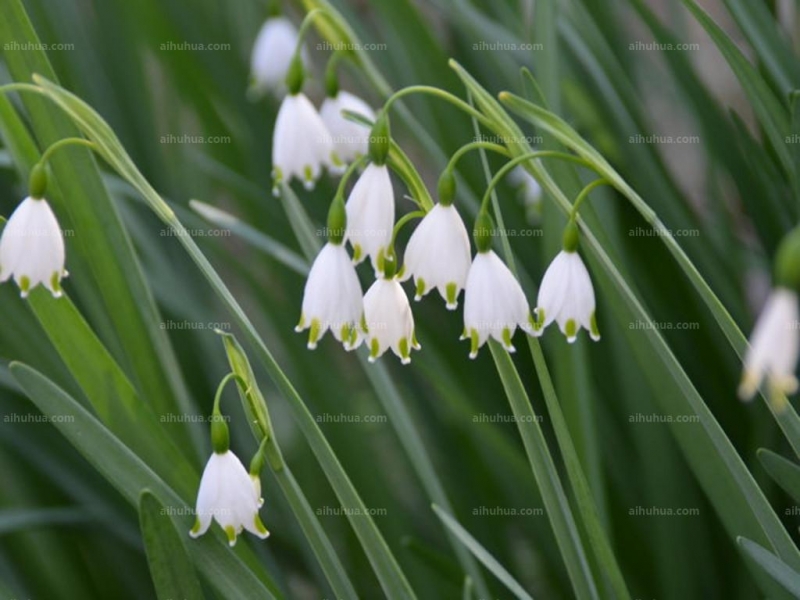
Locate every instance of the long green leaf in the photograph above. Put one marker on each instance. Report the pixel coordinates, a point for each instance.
(170, 567)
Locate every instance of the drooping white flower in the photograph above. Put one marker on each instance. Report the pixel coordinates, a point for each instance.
(567, 297)
(494, 303)
(774, 346)
(438, 255)
(332, 299)
(272, 54)
(301, 144)
(350, 139)
(370, 214)
(390, 323)
(230, 495)
(32, 248)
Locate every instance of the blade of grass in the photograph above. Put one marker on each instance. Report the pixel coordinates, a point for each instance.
(482, 555)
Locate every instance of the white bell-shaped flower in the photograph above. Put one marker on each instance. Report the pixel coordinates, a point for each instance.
(228, 494)
(332, 299)
(438, 255)
(301, 144)
(272, 54)
(370, 214)
(32, 248)
(567, 297)
(494, 303)
(390, 323)
(350, 139)
(774, 346)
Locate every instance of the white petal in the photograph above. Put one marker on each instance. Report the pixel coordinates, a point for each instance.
(390, 323)
(370, 213)
(272, 53)
(774, 345)
(301, 144)
(494, 303)
(32, 246)
(332, 295)
(438, 252)
(350, 139)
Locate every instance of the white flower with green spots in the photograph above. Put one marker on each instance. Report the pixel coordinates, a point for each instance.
(370, 215)
(494, 303)
(567, 297)
(332, 299)
(390, 323)
(350, 139)
(301, 144)
(229, 494)
(32, 248)
(438, 255)
(774, 347)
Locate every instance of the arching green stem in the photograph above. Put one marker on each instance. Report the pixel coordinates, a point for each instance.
(417, 214)
(353, 166)
(475, 146)
(331, 78)
(72, 141)
(434, 91)
(524, 158)
(584, 193)
(221, 387)
(307, 22)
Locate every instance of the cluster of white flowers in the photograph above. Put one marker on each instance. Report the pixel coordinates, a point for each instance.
(305, 141)
(438, 255)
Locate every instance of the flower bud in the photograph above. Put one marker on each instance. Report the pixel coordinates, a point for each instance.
(570, 239)
(295, 75)
(482, 234)
(337, 221)
(379, 140)
(447, 188)
(787, 261)
(38, 181)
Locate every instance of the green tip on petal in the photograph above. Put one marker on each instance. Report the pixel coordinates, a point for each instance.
(593, 330)
(308, 177)
(230, 532)
(374, 350)
(414, 343)
(262, 531)
(301, 325)
(357, 253)
(405, 355)
(571, 330)
(277, 179)
(538, 324)
(363, 323)
(420, 291)
(55, 284)
(507, 340)
(24, 286)
(195, 530)
(474, 343)
(313, 333)
(451, 295)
